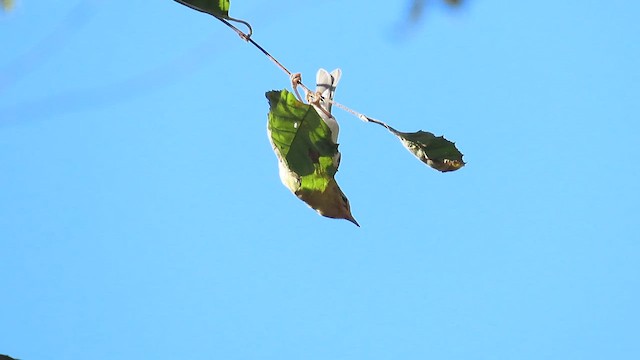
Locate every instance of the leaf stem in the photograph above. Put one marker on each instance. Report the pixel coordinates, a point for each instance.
(362, 116)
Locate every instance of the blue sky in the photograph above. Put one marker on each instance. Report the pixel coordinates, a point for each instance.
(141, 213)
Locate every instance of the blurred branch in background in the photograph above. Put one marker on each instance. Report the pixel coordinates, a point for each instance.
(105, 94)
(97, 95)
(417, 8)
(49, 45)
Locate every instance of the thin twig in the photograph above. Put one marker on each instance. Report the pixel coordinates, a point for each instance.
(247, 37)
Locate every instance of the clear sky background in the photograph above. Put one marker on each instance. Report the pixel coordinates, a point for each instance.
(142, 217)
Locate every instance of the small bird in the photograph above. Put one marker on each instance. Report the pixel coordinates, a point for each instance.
(331, 201)
(6, 357)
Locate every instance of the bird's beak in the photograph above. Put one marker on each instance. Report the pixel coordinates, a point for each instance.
(350, 218)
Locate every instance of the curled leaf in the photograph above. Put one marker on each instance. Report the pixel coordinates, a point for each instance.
(435, 151)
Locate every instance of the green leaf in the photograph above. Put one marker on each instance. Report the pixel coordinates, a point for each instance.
(302, 139)
(307, 156)
(435, 151)
(217, 8)
(6, 357)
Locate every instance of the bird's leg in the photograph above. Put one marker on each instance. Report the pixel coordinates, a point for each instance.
(315, 99)
(296, 79)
